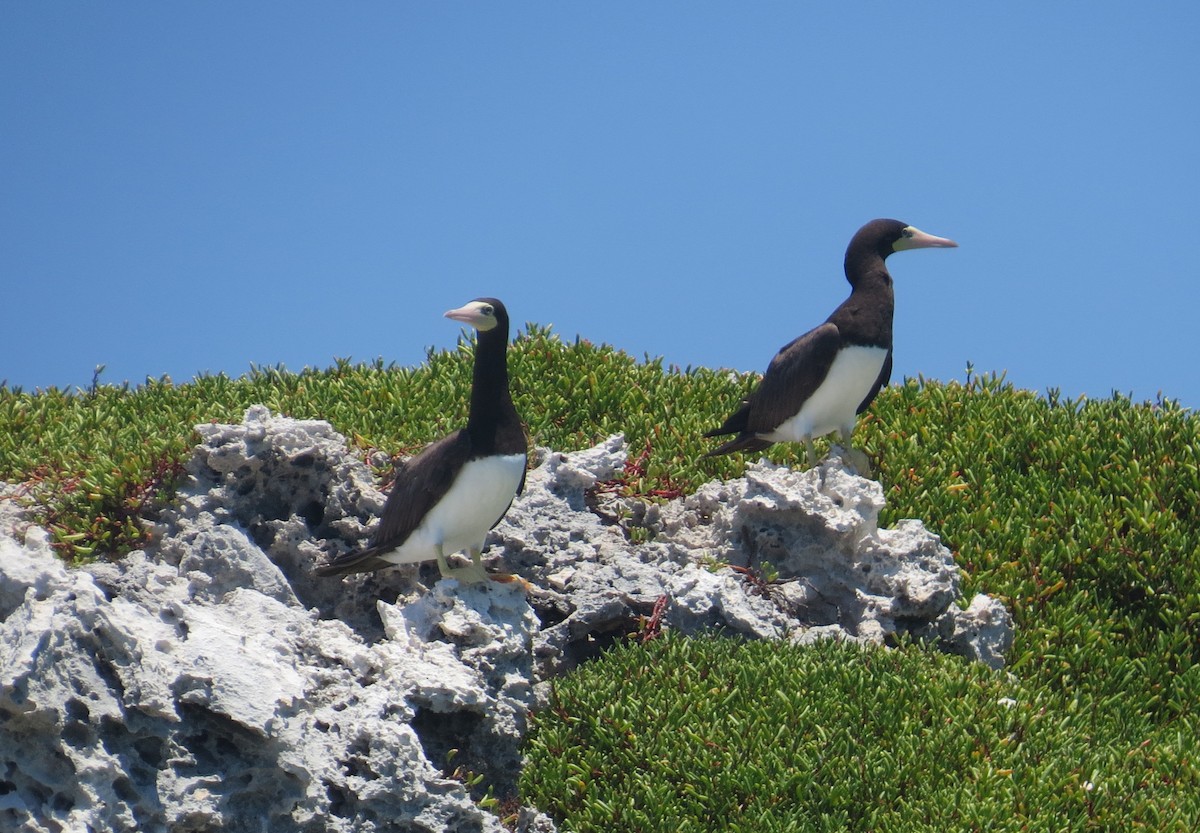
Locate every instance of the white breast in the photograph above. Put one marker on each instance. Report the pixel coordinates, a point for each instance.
(832, 405)
(461, 519)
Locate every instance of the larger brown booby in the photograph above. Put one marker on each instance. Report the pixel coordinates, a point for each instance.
(821, 381)
(445, 499)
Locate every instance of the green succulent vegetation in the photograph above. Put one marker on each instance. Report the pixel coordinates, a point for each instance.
(1082, 515)
(698, 735)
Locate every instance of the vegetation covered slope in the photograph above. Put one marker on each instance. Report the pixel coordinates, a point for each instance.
(1081, 515)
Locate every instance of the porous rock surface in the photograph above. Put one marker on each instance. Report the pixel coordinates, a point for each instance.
(212, 682)
(776, 553)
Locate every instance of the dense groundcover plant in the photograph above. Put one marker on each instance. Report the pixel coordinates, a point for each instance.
(713, 733)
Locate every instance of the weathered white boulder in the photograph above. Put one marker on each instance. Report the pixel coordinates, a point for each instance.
(250, 714)
(776, 553)
(190, 688)
(212, 682)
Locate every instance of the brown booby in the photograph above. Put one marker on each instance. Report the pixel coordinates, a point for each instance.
(821, 381)
(446, 498)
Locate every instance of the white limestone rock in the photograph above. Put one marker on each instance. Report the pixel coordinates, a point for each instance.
(983, 631)
(244, 715)
(190, 688)
(811, 556)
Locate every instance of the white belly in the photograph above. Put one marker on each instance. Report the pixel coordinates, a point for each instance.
(831, 407)
(461, 519)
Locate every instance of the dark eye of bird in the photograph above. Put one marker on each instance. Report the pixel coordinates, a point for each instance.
(488, 311)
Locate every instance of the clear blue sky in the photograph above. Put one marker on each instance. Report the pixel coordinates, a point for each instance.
(197, 187)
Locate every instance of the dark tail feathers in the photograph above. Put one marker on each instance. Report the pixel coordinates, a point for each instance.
(362, 561)
(745, 444)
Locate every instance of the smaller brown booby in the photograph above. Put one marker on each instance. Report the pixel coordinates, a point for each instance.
(446, 498)
(821, 381)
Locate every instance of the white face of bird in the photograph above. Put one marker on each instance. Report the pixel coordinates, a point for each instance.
(479, 314)
(914, 238)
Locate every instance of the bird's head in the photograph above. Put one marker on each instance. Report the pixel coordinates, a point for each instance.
(887, 236)
(879, 238)
(483, 314)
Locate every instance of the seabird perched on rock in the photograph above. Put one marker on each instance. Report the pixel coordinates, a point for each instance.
(445, 499)
(820, 382)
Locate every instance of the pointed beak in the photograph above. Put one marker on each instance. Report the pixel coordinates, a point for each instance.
(467, 315)
(918, 239)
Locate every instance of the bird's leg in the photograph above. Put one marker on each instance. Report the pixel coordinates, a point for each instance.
(443, 565)
(472, 574)
(812, 452)
(857, 457)
(475, 572)
(503, 578)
